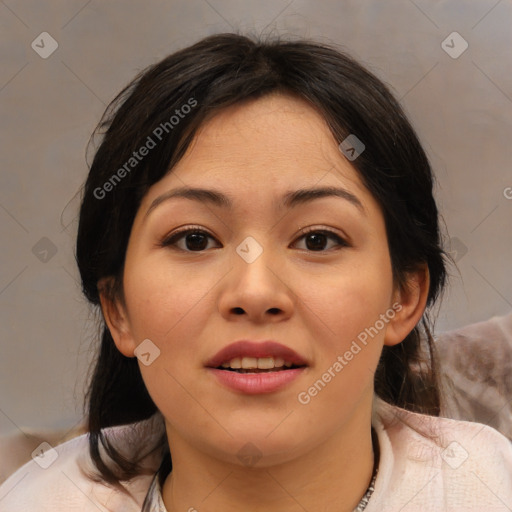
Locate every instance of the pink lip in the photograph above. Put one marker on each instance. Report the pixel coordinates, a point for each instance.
(256, 383)
(255, 349)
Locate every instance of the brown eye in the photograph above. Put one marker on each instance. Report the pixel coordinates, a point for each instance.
(316, 239)
(189, 240)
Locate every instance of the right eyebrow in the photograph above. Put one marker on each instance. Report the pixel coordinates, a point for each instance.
(198, 194)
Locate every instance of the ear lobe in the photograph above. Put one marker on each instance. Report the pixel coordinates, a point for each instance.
(115, 317)
(412, 297)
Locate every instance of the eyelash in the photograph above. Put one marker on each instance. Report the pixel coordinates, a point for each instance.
(177, 235)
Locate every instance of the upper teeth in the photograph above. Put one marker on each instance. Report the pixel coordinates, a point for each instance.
(263, 363)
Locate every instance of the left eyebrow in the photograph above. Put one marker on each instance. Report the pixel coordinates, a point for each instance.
(305, 195)
(289, 200)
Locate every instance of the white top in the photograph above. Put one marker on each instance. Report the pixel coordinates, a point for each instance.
(426, 464)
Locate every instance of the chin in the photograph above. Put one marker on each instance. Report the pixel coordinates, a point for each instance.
(260, 450)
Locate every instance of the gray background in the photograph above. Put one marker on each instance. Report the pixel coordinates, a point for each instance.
(461, 108)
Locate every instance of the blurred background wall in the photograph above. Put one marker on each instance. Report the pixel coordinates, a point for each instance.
(449, 63)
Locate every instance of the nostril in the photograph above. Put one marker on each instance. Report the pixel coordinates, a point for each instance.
(240, 311)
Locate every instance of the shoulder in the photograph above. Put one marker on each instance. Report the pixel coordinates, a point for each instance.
(58, 480)
(436, 463)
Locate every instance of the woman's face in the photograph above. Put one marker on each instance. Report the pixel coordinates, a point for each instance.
(253, 273)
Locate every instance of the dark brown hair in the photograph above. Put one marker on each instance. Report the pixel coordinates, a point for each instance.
(214, 73)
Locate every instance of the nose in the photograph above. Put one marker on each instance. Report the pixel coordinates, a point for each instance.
(257, 291)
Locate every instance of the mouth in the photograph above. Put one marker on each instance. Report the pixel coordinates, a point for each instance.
(258, 365)
(251, 355)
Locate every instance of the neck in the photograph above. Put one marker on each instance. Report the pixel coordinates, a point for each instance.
(332, 476)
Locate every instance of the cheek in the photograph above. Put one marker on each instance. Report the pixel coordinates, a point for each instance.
(163, 300)
(352, 297)
(349, 335)
(170, 307)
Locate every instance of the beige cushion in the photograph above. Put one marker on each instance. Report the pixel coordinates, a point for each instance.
(476, 368)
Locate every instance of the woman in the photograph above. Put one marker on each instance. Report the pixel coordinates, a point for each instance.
(244, 365)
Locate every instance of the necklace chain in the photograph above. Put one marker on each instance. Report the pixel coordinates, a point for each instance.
(376, 458)
(367, 495)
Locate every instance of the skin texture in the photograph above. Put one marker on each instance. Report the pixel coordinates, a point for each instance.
(191, 304)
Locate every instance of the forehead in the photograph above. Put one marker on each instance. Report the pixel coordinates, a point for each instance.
(277, 128)
(264, 146)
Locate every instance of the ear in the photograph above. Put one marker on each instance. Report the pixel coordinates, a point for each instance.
(116, 318)
(412, 297)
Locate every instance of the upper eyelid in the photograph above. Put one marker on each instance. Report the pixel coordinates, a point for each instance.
(310, 229)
